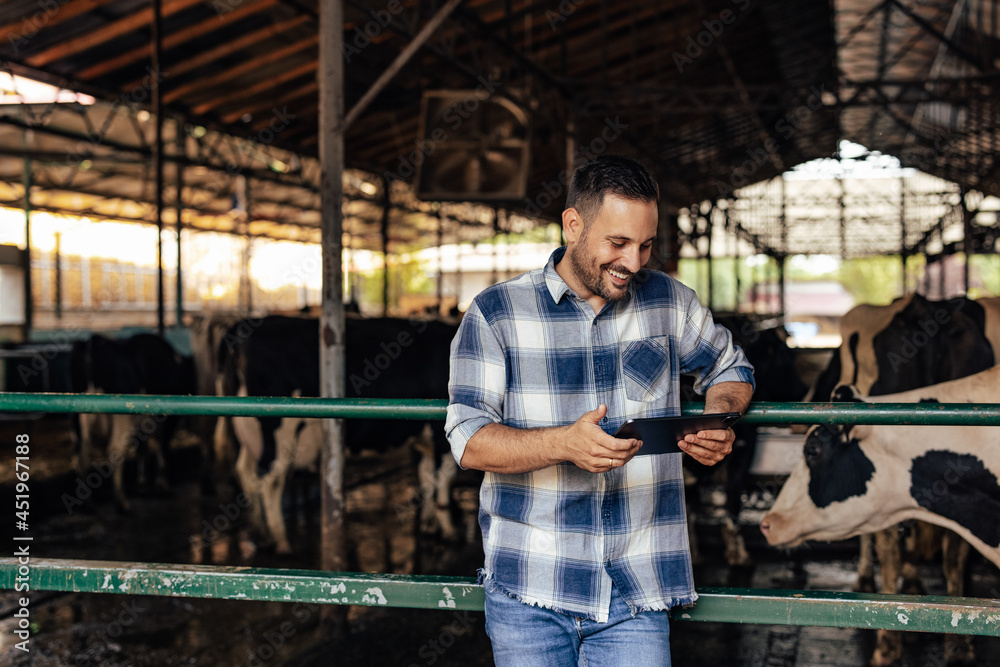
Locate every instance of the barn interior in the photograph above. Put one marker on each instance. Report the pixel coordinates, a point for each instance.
(461, 121)
(465, 132)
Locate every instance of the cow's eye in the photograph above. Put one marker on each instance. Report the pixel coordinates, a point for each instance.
(812, 450)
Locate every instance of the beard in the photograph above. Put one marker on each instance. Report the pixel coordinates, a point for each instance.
(592, 276)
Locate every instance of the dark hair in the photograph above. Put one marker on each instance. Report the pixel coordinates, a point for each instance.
(609, 174)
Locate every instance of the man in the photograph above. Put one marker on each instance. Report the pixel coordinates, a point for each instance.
(586, 547)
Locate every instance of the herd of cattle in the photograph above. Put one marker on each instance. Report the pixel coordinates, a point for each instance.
(268, 356)
(860, 480)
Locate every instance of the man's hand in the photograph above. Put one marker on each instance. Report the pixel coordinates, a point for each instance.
(588, 447)
(503, 449)
(711, 446)
(708, 447)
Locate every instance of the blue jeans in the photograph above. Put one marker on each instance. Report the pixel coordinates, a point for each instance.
(526, 636)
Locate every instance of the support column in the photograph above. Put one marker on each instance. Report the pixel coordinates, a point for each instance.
(843, 217)
(494, 276)
(386, 205)
(669, 240)
(333, 537)
(180, 140)
(708, 257)
(58, 271)
(29, 309)
(731, 228)
(967, 216)
(440, 254)
(780, 259)
(902, 230)
(157, 45)
(941, 260)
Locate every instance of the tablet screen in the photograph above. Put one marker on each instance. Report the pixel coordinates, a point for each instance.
(659, 435)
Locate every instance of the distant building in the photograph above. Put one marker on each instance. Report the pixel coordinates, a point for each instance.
(812, 309)
(467, 269)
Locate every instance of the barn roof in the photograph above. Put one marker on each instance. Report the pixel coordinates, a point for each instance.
(711, 95)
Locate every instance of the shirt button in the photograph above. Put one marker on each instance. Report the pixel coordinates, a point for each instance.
(604, 420)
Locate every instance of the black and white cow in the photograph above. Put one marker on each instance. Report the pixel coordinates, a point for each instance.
(141, 364)
(865, 479)
(854, 362)
(385, 358)
(895, 347)
(777, 380)
(206, 334)
(928, 342)
(909, 344)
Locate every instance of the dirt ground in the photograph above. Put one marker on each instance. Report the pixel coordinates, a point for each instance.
(113, 630)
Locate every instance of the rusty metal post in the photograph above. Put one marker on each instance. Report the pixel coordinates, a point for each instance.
(903, 251)
(59, 278)
(180, 139)
(157, 50)
(967, 249)
(29, 307)
(440, 258)
(710, 231)
(333, 537)
(384, 227)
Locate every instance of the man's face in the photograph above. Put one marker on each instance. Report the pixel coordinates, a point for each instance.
(611, 249)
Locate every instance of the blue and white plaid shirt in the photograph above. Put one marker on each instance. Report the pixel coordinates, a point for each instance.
(529, 354)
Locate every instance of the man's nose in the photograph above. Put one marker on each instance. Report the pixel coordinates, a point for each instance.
(633, 259)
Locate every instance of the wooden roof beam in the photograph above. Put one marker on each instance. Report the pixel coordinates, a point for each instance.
(232, 73)
(23, 30)
(302, 91)
(235, 45)
(589, 42)
(303, 111)
(266, 84)
(106, 33)
(175, 39)
(387, 135)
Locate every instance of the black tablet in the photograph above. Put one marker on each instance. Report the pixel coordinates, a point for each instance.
(659, 435)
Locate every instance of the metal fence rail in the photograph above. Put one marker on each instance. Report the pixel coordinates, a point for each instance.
(772, 607)
(781, 607)
(934, 414)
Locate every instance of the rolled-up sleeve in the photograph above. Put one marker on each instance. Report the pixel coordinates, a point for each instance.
(477, 381)
(707, 351)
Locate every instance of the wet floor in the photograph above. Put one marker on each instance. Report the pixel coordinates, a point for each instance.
(185, 527)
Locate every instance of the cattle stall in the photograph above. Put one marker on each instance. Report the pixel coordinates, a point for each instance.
(457, 599)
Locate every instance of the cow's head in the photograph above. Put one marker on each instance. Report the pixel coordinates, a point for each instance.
(828, 495)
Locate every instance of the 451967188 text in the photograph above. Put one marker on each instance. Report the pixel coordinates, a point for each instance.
(22, 506)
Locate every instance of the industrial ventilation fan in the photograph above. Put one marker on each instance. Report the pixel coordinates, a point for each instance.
(472, 147)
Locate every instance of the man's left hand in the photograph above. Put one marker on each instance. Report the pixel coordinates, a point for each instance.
(708, 447)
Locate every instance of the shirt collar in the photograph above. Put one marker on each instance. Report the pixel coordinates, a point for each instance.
(558, 287)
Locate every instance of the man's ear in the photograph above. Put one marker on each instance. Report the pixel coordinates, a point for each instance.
(572, 225)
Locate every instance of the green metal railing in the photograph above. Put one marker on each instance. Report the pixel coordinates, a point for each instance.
(726, 605)
(933, 414)
(813, 608)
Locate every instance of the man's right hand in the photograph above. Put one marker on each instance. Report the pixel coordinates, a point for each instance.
(588, 447)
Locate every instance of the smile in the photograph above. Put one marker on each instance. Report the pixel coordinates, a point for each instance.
(619, 276)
